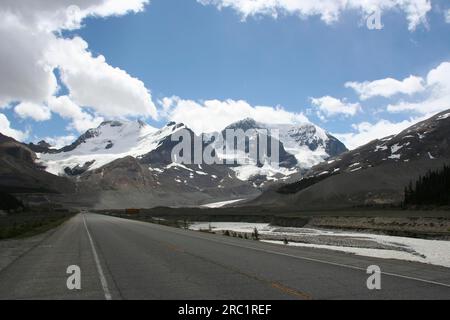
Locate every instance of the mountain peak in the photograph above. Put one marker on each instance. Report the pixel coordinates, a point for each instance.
(121, 123)
(244, 124)
(248, 120)
(111, 124)
(142, 124)
(174, 124)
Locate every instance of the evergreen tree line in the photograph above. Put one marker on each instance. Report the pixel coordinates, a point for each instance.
(9, 202)
(431, 189)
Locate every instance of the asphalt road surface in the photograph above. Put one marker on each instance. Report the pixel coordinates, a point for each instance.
(125, 259)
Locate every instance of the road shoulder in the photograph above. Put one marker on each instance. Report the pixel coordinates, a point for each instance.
(13, 249)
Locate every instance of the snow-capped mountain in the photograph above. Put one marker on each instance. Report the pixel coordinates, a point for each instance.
(373, 174)
(308, 143)
(112, 140)
(124, 163)
(20, 173)
(128, 164)
(300, 147)
(427, 140)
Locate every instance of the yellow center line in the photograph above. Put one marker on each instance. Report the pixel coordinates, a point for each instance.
(275, 285)
(291, 291)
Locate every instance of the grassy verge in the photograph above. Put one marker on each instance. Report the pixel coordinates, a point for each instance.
(25, 225)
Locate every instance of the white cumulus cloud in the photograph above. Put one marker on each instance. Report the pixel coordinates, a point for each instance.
(81, 121)
(330, 106)
(92, 82)
(24, 75)
(55, 15)
(33, 47)
(387, 87)
(436, 96)
(329, 11)
(34, 111)
(214, 115)
(59, 142)
(433, 97)
(366, 132)
(5, 129)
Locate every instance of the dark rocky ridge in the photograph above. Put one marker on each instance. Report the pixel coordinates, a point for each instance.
(373, 174)
(307, 135)
(20, 173)
(148, 180)
(286, 159)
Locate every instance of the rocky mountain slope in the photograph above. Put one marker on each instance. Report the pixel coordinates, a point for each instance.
(308, 143)
(300, 146)
(20, 173)
(373, 174)
(129, 163)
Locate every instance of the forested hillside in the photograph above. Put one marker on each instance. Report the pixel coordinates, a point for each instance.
(431, 189)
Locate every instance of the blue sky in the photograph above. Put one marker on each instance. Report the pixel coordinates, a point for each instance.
(183, 50)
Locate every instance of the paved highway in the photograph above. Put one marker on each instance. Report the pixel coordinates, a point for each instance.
(125, 259)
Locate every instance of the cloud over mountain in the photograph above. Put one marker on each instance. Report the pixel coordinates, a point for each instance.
(214, 115)
(34, 48)
(329, 11)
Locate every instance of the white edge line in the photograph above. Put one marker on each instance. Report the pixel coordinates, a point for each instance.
(99, 266)
(323, 261)
(349, 266)
(191, 234)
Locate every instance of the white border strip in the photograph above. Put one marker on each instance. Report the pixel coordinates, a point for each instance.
(97, 262)
(309, 259)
